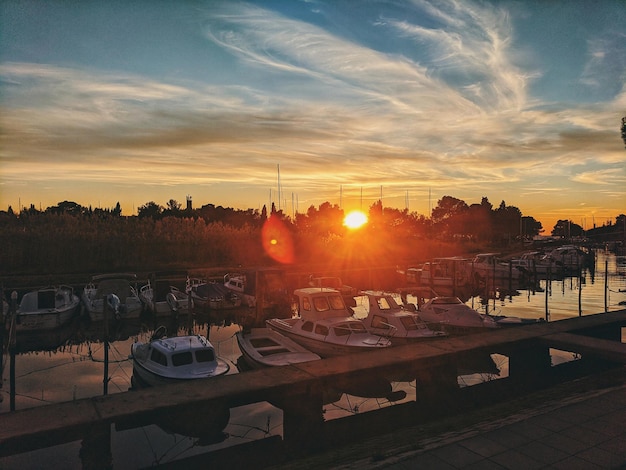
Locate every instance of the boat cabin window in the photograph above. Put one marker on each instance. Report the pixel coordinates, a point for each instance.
(357, 327)
(321, 330)
(342, 330)
(336, 302)
(321, 304)
(158, 357)
(205, 355)
(410, 323)
(182, 358)
(382, 303)
(307, 326)
(306, 304)
(380, 322)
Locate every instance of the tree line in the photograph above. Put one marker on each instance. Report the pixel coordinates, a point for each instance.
(69, 237)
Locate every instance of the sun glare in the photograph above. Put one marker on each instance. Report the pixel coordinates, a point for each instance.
(355, 219)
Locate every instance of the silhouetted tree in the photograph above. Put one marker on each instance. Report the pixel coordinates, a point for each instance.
(449, 215)
(118, 210)
(150, 209)
(531, 227)
(567, 229)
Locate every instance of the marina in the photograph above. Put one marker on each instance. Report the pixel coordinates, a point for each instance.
(73, 370)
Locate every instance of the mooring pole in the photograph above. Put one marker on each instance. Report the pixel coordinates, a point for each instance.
(606, 286)
(2, 330)
(547, 289)
(105, 380)
(580, 293)
(12, 349)
(189, 308)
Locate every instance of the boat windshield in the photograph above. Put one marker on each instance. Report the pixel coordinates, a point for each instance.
(182, 359)
(345, 329)
(334, 302)
(205, 355)
(387, 303)
(410, 323)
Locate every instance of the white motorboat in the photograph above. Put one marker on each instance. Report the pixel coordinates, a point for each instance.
(163, 298)
(453, 316)
(334, 282)
(446, 272)
(46, 309)
(325, 326)
(537, 262)
(386, 318)
(262, 347)
(213, 296)
(165, 360)
(238, 283)
(570, 257)
(489, 266)
(117, 293)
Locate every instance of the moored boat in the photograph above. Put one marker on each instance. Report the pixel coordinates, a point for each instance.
(213, 296)
(112, 294)
(453, 316)
(334, 282)
(171, 300)
(46, 308)
(263, 347)
(325, 326)
(570, 257)
(239, 284)
(446, 272)
(173, 359)
(489, 266)
(386, 317)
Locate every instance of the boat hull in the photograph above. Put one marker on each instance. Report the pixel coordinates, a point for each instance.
(264, 347)
(322, 348)
(46, 309)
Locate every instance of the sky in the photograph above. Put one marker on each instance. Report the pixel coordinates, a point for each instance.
(241, 104)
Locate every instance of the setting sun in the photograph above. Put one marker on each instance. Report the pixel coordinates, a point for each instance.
(355, 219)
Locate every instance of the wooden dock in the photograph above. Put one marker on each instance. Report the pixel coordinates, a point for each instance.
(297, 389)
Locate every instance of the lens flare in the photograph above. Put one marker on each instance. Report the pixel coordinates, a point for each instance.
(277, 241)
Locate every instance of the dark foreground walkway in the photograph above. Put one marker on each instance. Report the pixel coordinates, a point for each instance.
(578, 425)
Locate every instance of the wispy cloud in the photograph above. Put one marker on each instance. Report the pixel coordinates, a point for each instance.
(448, 110)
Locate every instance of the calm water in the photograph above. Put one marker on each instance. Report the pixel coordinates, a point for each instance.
(48, 373)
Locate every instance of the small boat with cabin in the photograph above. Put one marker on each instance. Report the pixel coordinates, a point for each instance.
(174, 359)
(114, 294)
(387, 318)
(489, 266)
(325, 326)
(334, 282)
(169, 301)
(446, 272)
(264, 347)
(213, 296)
(238, 283)
(46, 309)
(453, 316)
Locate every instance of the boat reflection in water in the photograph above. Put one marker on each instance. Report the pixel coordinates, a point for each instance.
(77, 371)
(204, 422)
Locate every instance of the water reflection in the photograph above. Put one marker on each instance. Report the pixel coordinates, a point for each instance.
(69, 363)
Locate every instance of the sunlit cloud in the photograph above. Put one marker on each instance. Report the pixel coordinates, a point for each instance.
(448, 110)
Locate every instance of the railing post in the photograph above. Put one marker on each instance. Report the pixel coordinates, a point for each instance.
(529, 366)
(437, 388)
(303, 421)
(95, 450)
